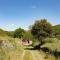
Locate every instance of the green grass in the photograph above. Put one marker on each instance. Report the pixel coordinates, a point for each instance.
(53, 44)
(16, 52)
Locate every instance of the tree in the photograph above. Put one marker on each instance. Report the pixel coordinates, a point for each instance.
(41, 29)
(19, 33)
(27, 35)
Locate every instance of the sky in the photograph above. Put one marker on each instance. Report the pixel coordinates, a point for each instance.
(23, 13)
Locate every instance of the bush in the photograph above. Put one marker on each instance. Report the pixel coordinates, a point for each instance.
(51, 40)
(18, 33)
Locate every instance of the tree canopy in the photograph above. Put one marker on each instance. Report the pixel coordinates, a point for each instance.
(41, 29)
(19, 33)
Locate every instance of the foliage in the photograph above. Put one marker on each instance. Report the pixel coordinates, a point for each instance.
(50, 40)
(41, 29)
(10, 33)
(28, 35)
(19, 33)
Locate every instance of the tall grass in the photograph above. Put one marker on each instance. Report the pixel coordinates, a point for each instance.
(11, 53)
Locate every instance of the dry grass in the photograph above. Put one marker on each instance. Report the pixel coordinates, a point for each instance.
(28, 56)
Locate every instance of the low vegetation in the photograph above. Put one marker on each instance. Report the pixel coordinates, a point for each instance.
(45, 39)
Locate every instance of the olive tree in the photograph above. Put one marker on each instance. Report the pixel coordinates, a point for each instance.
(41, 29)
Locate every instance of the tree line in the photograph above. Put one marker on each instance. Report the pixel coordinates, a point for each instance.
(39, 30)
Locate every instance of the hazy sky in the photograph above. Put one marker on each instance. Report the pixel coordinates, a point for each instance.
(23, 13)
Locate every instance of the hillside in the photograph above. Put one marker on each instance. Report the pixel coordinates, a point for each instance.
(56, 29)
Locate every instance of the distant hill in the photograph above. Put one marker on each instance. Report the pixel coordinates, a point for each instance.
(56, 29)
(5, 33)
(2, 33)
(57, 26)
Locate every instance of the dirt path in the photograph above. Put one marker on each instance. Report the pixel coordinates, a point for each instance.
(36, 55)
(22, 56)
(31, 55)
